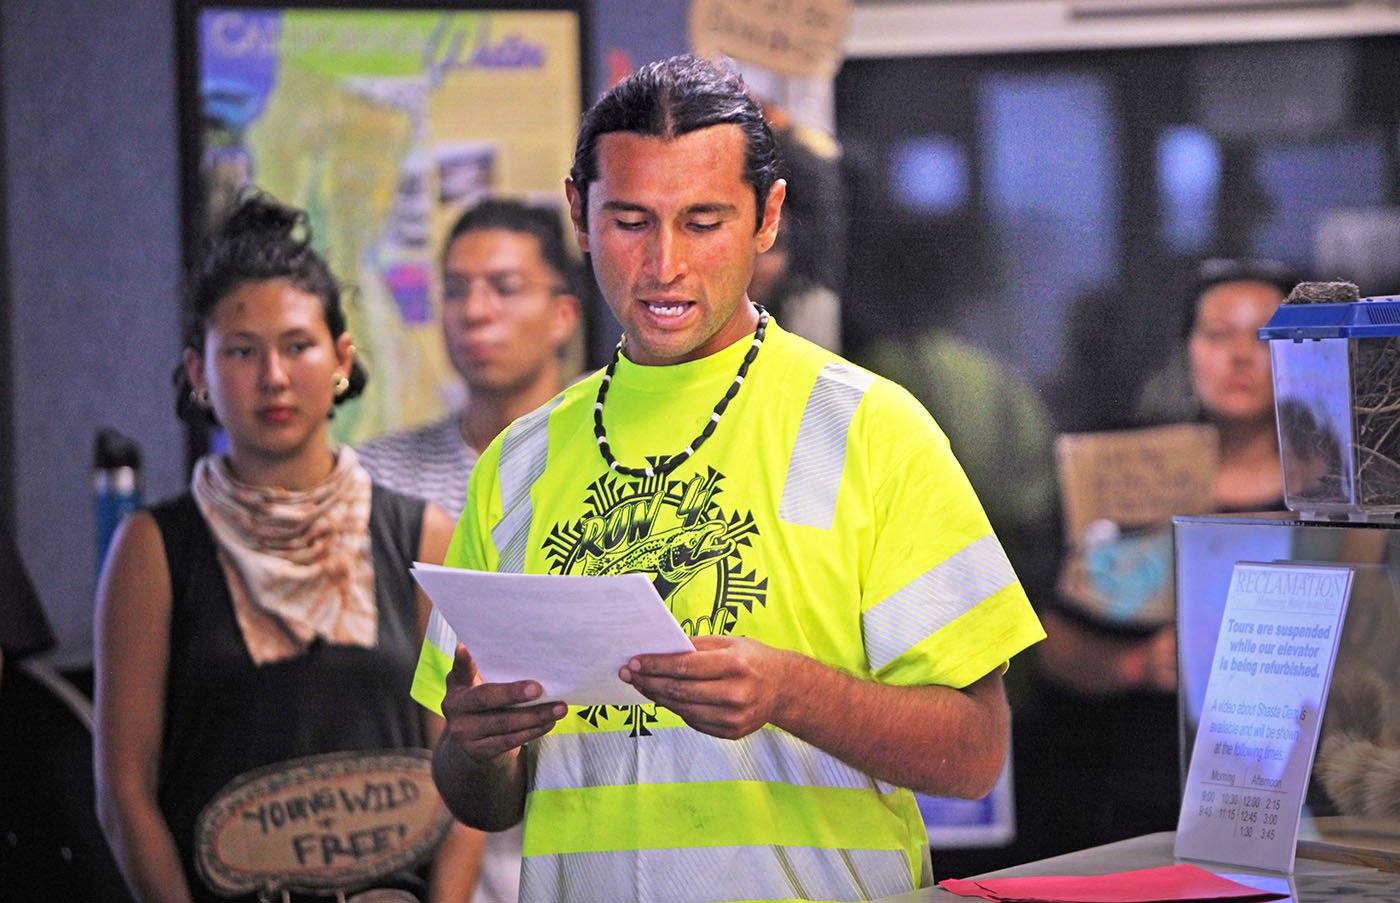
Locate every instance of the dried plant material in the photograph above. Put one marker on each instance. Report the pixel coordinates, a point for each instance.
(1324, 293)
(1376, 405)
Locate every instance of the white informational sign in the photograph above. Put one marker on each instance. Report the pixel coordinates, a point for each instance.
(1259, 722)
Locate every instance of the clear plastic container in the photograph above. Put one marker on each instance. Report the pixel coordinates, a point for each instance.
(1336, 371)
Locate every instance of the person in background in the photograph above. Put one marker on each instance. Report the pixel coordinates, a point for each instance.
(813, 309)
(267, 613)
(1224, 378)
(509, 307)
(1094, 757)
(510, 304)
(803, 519)
(1221, 377)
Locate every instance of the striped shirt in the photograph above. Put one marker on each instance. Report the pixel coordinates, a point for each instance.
(434, 462)
(431, 462)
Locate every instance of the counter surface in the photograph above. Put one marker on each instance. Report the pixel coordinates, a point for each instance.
(1313, 881)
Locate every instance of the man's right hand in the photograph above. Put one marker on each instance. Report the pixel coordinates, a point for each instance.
(488, 721)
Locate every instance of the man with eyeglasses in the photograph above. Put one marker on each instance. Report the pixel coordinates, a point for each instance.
(508, 308)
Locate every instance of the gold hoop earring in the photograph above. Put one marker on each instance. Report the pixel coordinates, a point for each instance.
(342, 383)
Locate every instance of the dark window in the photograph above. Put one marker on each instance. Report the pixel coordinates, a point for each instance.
(1083, 187)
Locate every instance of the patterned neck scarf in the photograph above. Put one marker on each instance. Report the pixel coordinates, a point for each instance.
(298, 563)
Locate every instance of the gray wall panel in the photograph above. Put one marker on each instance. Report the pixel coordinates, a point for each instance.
(91, 192)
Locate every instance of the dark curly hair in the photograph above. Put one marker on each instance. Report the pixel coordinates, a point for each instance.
(671, 98)
(259, 239)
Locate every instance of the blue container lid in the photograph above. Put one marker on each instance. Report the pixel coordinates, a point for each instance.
(1369, 318)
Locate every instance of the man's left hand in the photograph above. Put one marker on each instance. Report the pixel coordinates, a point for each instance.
(728, 687)
(932, 738)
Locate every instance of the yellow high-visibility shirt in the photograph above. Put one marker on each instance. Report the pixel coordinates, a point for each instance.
(826, 515)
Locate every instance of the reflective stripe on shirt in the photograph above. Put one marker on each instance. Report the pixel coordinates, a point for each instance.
(681, 755)
(766, 872)
(441, 634)
(819, 455)
(524, 450)
(935, 599)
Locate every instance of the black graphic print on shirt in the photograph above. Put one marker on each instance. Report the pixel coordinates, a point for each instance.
(680, 534)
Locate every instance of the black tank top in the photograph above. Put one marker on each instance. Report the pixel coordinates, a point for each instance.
(224, 716)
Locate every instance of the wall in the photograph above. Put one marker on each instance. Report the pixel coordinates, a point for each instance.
(7, 473)
(90, 187)
(91, 207)
(617, 28)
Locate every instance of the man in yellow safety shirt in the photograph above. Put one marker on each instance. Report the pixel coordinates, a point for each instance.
(851, 610)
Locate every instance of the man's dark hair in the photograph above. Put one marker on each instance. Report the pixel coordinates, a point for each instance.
(672, 98)
(544, 225)
(258, 240)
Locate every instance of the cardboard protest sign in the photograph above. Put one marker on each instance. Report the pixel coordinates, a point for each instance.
(321, 823)
(1136, 478)
(795, 37)
(1119, 491)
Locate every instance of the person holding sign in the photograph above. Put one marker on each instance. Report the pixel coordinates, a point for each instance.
(1107, 672)
(805, 523)
(1226, 383)
(267, 614)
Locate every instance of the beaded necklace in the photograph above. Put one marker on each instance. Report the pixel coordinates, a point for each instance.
(675, 460)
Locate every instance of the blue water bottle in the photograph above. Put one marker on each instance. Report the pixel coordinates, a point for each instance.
(116, 485)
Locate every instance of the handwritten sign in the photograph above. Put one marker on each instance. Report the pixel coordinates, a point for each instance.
(1258, 733)
(1136, 477)
(327, 822)
(795, 37)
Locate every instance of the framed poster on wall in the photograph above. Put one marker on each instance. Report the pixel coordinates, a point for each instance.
(384, 121)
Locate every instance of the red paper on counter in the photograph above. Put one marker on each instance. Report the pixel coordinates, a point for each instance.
(1158, 885)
